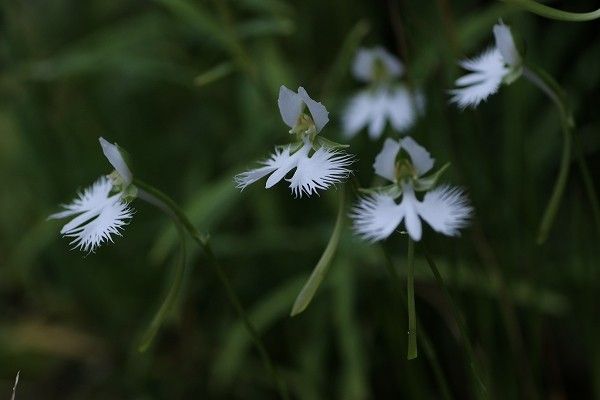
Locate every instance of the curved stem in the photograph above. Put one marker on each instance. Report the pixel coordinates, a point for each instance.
(423, 337)
(157, 198)
(549, 86)
(553, 13)
(410, 290)
(462, 328)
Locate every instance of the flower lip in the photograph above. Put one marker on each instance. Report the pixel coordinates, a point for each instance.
(116, 159)
(291, 105)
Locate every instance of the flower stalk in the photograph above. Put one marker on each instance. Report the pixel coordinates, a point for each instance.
(160, 200)
(410, 290)
(552, 13)
(549, 86)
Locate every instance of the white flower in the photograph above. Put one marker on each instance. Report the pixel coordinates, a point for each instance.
(317, 171)
(373, 108)
(370, 64)
(498, 64)
(385, 100)
(98, 212)
(376, 216)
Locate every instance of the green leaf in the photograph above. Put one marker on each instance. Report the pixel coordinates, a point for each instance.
(318, 274)
(214, 74)
(170, 298)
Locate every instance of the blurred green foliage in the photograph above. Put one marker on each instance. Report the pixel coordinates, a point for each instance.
(189, 88)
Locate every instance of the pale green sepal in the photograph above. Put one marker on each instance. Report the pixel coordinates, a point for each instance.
(513, 75)
(424, 184)
(392, 190)
(130, 193)
(316, 277)
(329, 144)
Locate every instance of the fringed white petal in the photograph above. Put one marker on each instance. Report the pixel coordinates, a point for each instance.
(319, 171)
(114, 156)
(420, 157)
(110, 221)
(91, 198)
(445, 209)
(376, 217)
(357, 114)
(506, 44)
(319, 113)
(487, 71)
(290, 106)
(97, 216)
(280, 158)
(403, 108)
(385, 162)
(363, 66)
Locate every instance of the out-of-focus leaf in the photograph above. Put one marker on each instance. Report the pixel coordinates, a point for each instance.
(265, 27)
(214, 74)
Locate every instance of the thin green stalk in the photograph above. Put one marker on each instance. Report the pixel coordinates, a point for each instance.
(410, 290)
(423, 336)
(462, 328)
(157, 198)
(553, 13)
(549, 86)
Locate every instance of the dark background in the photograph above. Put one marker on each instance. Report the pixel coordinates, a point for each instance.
(189, 88)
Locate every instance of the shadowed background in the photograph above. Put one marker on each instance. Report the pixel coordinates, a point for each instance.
(189, 88)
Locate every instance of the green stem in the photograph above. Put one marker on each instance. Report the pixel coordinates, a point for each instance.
(462, 328)
(553, 13)
(423, 336)
(410, 290)
(549, 86)
(157, 198)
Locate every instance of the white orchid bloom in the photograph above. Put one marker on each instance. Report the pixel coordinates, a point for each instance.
(496, 65)
(101, 210)
(386, 99)
(318, 163)
(444, 208)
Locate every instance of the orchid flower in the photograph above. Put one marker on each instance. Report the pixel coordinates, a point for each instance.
(405, 163)
(101, 210)
(318, 162)
(384, 100)
(499, 64)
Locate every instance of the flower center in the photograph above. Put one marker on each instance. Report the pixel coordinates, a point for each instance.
(380, 71)
(405, 171)
(305, 127)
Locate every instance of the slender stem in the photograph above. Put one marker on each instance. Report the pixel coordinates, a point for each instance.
(410, 290)
(462, 328)
(549, 86)
(14, 391)
(423, 336)
(157, 198)
(553, 13)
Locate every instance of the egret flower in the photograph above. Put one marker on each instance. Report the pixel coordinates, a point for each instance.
(499, 64)
(101, 210)
(318, 162)
(405, 163)
(384, 100)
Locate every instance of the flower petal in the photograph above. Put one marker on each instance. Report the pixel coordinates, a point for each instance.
(376, 217)
(319, 113)
(323, 169)
(290, 106)
(357, 114)
(403, 107)
(378, 116)
(286, 164)
(91, 198)
(445, 209)
(488, 70)
(411, 221)
(114, 156)
(385, 162)
(110, 221)
(363, 66)
(421, 158)
(506, 44)
(276, 160)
